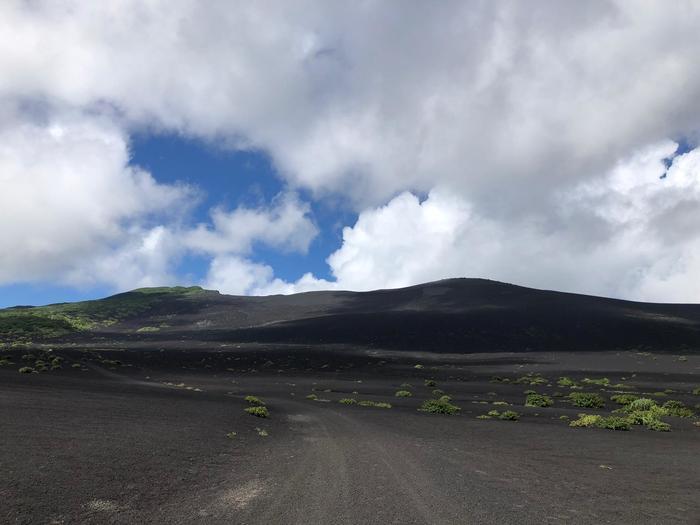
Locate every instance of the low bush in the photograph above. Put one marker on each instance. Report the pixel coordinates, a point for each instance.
(375, 404)
(641, 404)
(624, 399)
(677, 409)
(614, 423)
(658, 426)
(601, 381)
(566, 382)
(538, 400)
(430, 383)
(252, 400)
(439, 406)
(586, 420)
(258, 411)
(26, 370)
(509, 415)
(586, 400)
(348, 401)
(437, 392)
(531, 379)
(500, 403)
(312, 397)
(403, 393)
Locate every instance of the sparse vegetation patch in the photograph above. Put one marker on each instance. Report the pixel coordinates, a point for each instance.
(258, 411)
(538, 400)
(439, 406)
(586, 400)
(253, 400)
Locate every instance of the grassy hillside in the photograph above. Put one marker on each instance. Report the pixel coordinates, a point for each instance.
(27, 323)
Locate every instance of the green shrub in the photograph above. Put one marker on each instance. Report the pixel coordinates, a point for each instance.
(601, 381)
(500, 403)
(696, 391)
(312, 397)
(258, 411)
(509, 415)
(586, 400)
(375, 404)
(624, 399)
(641, 404)
(403, 393)
(493, 413)
(586, 420)
(76, 365)
(437, 392)
(614, 423)
(439, 406)
(231, 435)
(419, 367)
(538, 400)
(566, 382)
(26, 370)
(430, 383)
(658, 426)
(406, 385)
(348, 401)
(252, 400)
(499, 379)
(531, 379)
(677, 409)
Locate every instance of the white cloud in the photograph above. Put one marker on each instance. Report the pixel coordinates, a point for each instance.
(519, 98)
(509, 115)
(237, 276)
(285, 225)
(628, 234)
(69, 198)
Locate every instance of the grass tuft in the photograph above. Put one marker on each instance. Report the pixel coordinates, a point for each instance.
(439, 406)
(538, 400)
(253, 400)
(258, 411)
(586, 400)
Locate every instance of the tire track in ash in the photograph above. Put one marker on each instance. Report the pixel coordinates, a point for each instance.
(348, 471)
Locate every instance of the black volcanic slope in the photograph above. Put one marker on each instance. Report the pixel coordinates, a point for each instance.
(456, 315)
(133, 409)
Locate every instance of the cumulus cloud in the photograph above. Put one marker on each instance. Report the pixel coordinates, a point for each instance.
(628, 233)
(527, 125)
(373, 99)
(285, 225)
(69, 197)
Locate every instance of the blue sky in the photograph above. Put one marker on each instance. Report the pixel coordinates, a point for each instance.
(226, 177)
(263, 149)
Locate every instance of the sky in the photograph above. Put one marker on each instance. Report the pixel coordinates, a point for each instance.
(280, 147)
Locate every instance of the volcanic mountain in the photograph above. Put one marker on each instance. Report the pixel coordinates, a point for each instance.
(454, 315)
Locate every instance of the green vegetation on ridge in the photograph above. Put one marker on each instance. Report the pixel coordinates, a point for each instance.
(30, 322)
